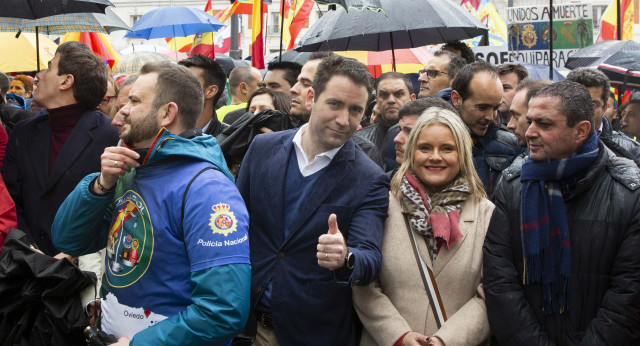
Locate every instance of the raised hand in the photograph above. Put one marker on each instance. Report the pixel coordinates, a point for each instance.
(332, 248)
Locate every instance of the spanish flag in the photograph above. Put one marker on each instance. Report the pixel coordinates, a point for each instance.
(257, 41)
(609, 21)
(203, 43)
(239, 7)
(296, 15)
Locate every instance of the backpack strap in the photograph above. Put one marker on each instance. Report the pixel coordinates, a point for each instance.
(184, 196)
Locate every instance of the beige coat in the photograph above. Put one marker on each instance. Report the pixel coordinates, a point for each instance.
(397, 302)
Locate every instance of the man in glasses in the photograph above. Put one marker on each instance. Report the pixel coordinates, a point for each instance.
(438, 74)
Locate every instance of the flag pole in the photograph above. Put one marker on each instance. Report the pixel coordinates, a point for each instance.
(550, 40)
(619, 22)
(281, 29)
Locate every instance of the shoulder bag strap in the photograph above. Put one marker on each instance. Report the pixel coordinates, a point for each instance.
(428, 279)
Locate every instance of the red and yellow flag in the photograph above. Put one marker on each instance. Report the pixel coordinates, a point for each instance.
(608, 23)
(296, 15)
(238, 7)
(257, 40)
(203, 43)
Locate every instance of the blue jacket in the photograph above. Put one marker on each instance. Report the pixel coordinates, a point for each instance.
(310, 305)
(177, 264)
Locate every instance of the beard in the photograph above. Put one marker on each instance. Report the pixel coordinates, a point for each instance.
(142, 129)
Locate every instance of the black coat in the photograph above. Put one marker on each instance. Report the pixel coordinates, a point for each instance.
(604, 225)
(39, 193)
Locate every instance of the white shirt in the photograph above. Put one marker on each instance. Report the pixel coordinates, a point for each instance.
(319, 162)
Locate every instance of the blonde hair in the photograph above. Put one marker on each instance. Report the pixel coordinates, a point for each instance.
(449, 119)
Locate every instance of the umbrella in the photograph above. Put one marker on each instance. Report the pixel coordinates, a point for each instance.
(407, 60)
(229, 63)
(99, 44)
(40, 296)
(20, 53)
(290, 55)
(539, 71)
(402, 27)
(360, 5)
(173, 21)
(623, 69)
(132, 63)
(596, 54)
(62, 24)
(34, 9)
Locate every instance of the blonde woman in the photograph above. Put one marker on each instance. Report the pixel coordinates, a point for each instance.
(438, 206)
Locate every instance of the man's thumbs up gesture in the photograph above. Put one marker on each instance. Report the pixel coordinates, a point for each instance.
(332, 248)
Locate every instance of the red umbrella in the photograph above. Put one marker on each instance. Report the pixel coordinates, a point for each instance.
(98, 43)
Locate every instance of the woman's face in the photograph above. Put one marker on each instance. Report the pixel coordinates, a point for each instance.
(436, 161)
(17, 87)
(260, 103)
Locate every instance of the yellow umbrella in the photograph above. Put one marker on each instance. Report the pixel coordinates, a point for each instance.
(19, 54)
(99, 44)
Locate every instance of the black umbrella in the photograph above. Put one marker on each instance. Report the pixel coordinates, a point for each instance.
(404, 24)
(290, 55)
(623, 69)
(40, 296)
(229, 63)
(360, 5)
(35, 9)
(596, 54)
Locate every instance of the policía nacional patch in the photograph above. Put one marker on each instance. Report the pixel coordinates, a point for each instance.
(222, 220)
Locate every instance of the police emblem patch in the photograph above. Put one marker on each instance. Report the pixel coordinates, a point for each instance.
(222, 220)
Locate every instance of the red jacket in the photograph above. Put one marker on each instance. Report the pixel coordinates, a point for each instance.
(8, 218)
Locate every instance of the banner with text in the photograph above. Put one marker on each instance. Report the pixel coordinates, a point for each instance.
(528, 32)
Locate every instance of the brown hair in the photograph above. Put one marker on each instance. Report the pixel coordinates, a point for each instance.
(88, 71)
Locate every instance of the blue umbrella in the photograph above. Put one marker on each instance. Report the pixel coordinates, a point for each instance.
(173, 21)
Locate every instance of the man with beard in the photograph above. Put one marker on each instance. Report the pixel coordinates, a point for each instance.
(477, 95)
(171, 219)
(48, 155)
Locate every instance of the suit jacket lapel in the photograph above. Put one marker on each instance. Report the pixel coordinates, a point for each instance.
(467, 222)
(38, 149)
(332, 175)
(276, 181)
(78, 140)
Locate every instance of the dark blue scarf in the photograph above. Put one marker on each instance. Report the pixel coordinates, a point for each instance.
(544, 224)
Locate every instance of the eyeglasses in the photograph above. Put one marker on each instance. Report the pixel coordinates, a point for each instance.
(433, 73)
(106, 100)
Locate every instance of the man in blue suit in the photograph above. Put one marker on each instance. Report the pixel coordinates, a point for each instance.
(317, 206)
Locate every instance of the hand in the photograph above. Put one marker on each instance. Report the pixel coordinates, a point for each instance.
(64, 255)
(121, 342)
(332, 248)
(94, 310)
(416, 339)
(435, 341)
(114, 162)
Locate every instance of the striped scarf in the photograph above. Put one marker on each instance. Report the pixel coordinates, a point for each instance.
(544, 224)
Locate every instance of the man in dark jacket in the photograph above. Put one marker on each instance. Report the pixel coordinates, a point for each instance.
(48, 155)
(561, 254)
(598, 86)
(212, 80)
(477, 95)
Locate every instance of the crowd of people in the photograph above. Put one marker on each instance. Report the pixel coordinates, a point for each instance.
(315, 205)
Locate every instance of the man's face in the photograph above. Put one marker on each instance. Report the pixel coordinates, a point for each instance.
(518, 123)
(301, 88)
(479, 110)
(139, 113)
(47, 83)
(118, 119)
(509, 83)
(406, 124)
(109, 100)
(255, 82)
(599, 107)
(275, 80)
(199, 72)
(431, 86)
(391, 95)
(548, 136)
(336, 113)
(610, 111)
(631, 119)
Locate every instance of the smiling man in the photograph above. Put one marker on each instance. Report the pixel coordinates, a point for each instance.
(439, 72)
(561, 255)
(322, 231)
(477, 95)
